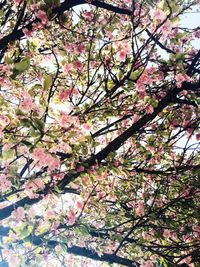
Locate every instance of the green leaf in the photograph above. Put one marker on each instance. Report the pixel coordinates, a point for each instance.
(120, 74)
(34, 133)
(135, 96)
(135, 74)
(82, 230)
(63, 247)
(23, 65)
(26, 143)
(147, 99)
(39, 124)
(7, 154)
(179, 56)
(26, 231)
(154, 103)
(110, 84)
(8, 60)
(25, 122)
(1, 101)
(197, 100)
(47, 82)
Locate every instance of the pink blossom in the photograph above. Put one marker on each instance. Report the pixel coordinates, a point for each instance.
(58, 248)
(180, 78)
(31, 187)
(149, 109)
(18, 214)
(17, 2)
(166, 28)
(27, 32)
(121, 55)
(101, 195)
(67, 68)
(88, 15)
(12, 259)
(33, 7)
(108, 33)
(79, 204)
(5, 184)
(136, 117)
(146, 236)
(49, 214)
(198, 136)
(110, 248)
(126, 46)
(4, 120)
(39, 184)
(142, 94)
(38, 154)
(58, 176)
(80, 169)
(166, 233)
(146, 264)
(196, 230)
(71, 217)
(1, 132)
(140, 208)
(26, 103)
(52, 162)
(78, 65)
(69, 47)
(86, 128)
(187, 260)
(197, 34)
(66, 120)
(64, 94)
(54, 226)
(42, 16)
(158, 14)
(86, 179)
(184, 92)
(31, 212)
(80, 48)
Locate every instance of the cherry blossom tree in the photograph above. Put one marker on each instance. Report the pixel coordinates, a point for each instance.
(99, 133)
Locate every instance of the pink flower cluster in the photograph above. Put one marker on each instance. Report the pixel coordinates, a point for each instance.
(5, 184)
(180, 78)
(17, 2)
(140, 208)
(187, 260)
(75, 66)
(88, 15)
(26, 103)
(65, 94)
(66, 120)
(11, 257)
(44, 159)
(31, 187)
(122, 51)
(18, 214)
(71, 217)
(157, 14)
(146, 264)
(78, 48)
(27, 32)
(42, 16)
(169, 234)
